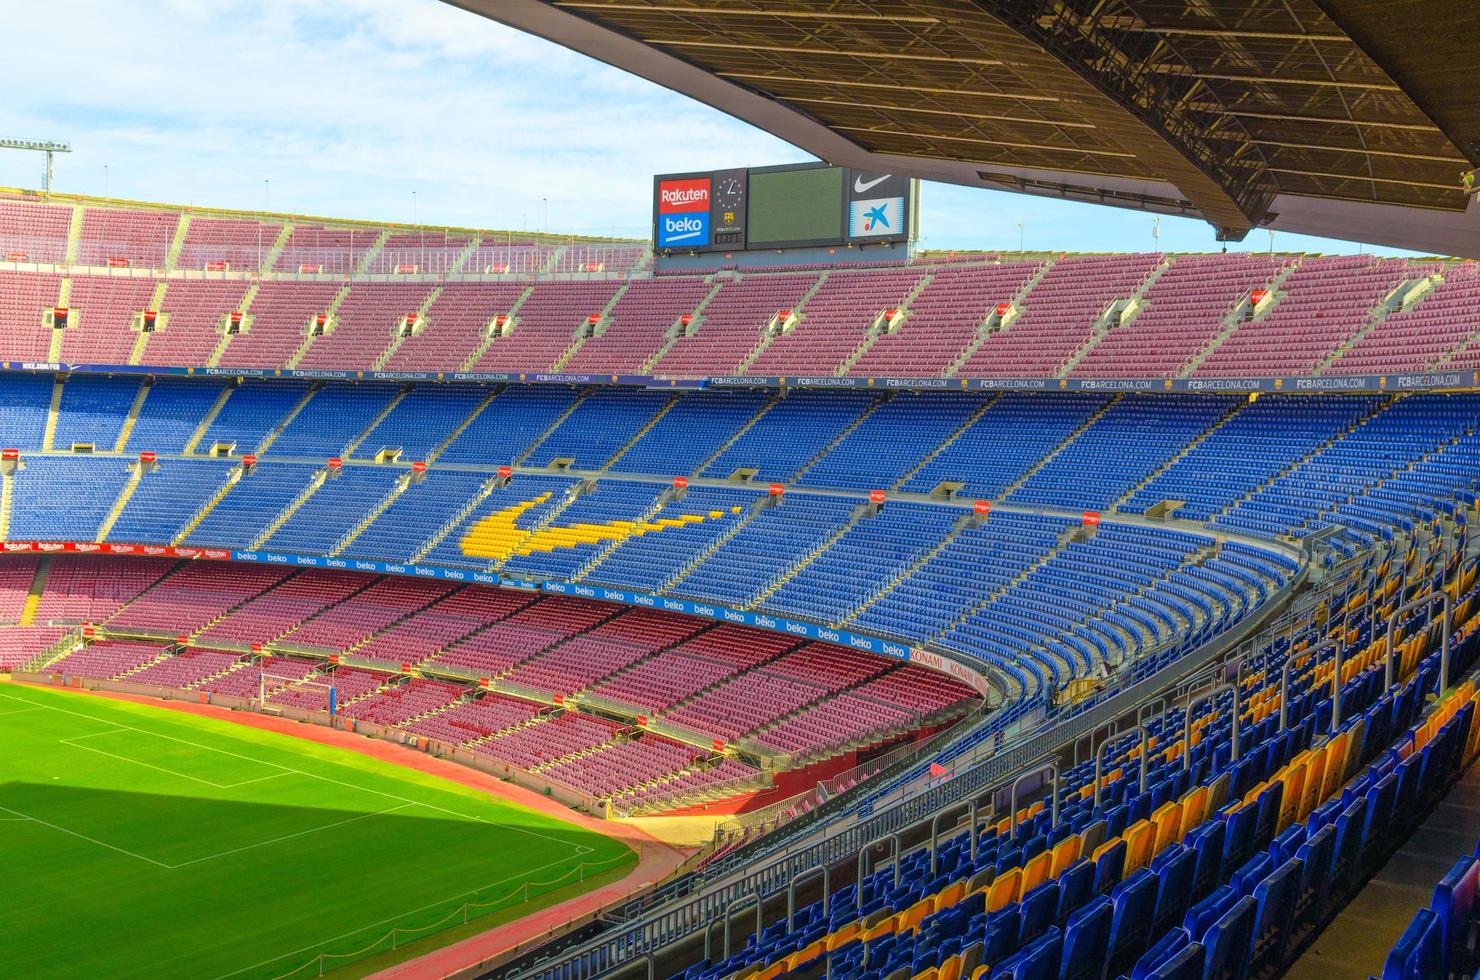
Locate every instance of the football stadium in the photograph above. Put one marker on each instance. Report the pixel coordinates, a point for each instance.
(770, 595)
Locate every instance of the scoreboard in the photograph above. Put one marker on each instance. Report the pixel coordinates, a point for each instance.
(796, 206)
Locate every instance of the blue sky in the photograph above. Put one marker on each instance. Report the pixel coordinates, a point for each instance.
(398, 109)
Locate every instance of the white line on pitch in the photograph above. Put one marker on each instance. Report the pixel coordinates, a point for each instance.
(147, 765)
(578, 848)
(301, 833)
(91, 840)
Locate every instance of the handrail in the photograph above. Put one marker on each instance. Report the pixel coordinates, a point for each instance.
(1421, 601)
(1187, 720)
(1310, 656)
(1144, 740)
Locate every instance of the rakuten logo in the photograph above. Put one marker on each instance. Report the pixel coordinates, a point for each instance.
(683, 195)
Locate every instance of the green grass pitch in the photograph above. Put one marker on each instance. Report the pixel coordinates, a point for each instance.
(136, 841)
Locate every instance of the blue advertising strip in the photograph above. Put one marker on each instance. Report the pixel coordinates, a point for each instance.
(776, 624)
(1433, 381)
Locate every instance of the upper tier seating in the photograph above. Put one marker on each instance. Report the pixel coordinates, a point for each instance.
(137, 239)
(1088, 316)
(1322, 304)
(1059, 315)
(424, 251)
(1182, 313)
(280, 317)
(195, 311)
(456, 323)
(24, 298)
(639, 325)
(835, 320)
(34, 230)
(943, 320)
(334, 251)
(732, 324)
(547, 325)
(243, 246)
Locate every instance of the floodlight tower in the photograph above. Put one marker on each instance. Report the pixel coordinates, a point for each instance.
(41, 146)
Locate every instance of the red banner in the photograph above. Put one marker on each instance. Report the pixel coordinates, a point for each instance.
(16, 256)
(110, 548)
(506, 471)
(148, 456)
(215, 266)
(776, 489)
(981, 506)
(249, 460)
(419, 467)
(1003, 309)
(335, 462)
(876, 496)
(680, 482)
(1091, 518)
(10, 454)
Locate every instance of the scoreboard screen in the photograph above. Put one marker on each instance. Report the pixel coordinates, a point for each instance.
(796, 206)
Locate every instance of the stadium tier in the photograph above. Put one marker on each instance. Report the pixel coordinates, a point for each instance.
(663, 580)
(173, 288)
(1029, 559)
(514, 705)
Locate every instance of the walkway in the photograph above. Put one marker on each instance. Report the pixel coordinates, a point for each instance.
(1357, 942)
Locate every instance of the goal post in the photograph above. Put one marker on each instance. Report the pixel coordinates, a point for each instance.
(270, 684)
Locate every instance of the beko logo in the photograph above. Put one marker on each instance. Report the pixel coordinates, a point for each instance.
(677, 229)
(861, 186)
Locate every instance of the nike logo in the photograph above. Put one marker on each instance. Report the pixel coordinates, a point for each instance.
(860, 185)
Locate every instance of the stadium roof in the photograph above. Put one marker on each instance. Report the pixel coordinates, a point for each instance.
(1352, 119)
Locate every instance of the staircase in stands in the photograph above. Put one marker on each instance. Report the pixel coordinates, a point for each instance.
(799, 308)
(983, 332)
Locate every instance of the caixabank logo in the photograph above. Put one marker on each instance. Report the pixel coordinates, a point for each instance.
(683, 213)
